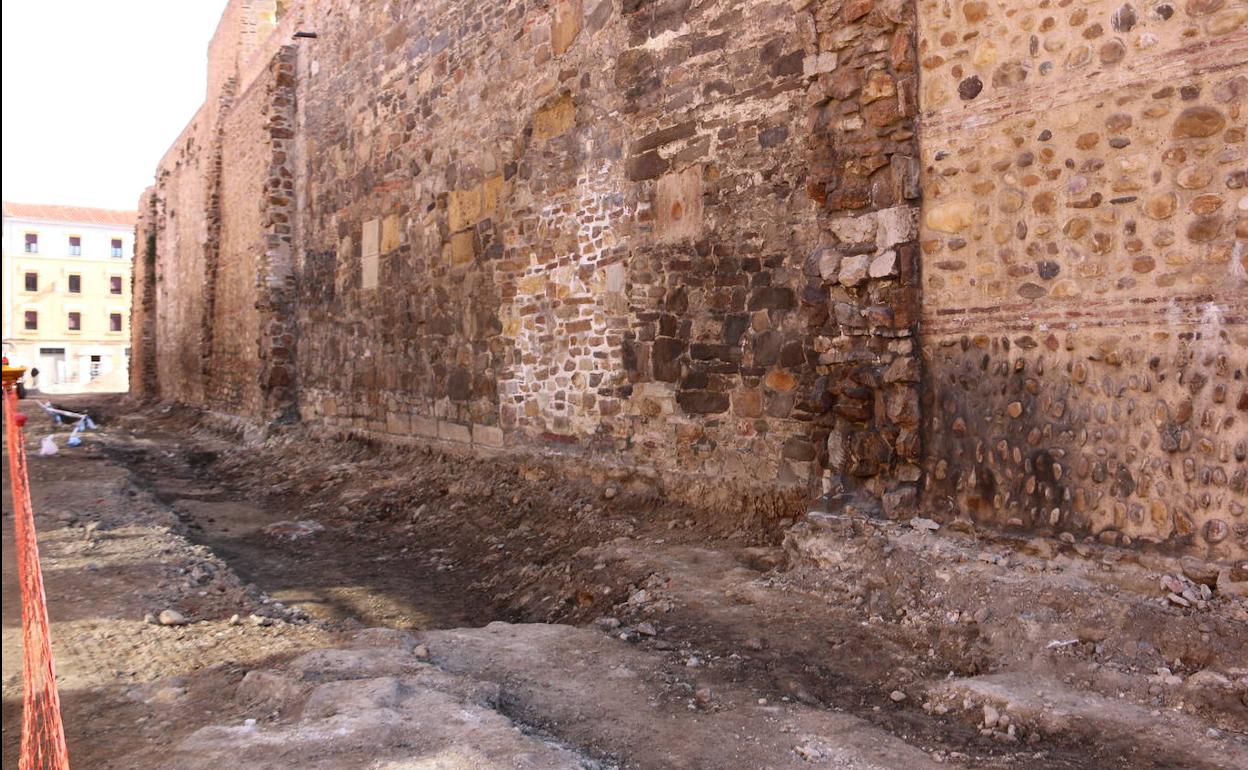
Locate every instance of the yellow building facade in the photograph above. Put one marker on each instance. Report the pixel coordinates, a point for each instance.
(66, 296)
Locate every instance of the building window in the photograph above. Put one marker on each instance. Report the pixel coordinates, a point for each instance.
(75, 284)
(116, 248)
(32, 282)
(75, 246)
(114, 284)
(95, 367)
(32, 243)
(114, 322)
(32, 320)
(75, 322)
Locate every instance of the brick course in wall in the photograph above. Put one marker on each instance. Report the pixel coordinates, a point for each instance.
(767, 250)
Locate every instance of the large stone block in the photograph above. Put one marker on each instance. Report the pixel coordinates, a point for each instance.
(370, 252)
(463, 208)
(487, 435)
(554, 118)
(452, 431)
(678, 205)
(566, 24)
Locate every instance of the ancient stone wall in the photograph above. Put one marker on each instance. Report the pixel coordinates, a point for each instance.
(144, 380)
(596, 227)
(232, 384)
(863, 281)
(1085, 289)
(685, 236)
(181, 225)
(254, 136)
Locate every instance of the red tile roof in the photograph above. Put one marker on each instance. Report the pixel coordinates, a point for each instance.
(78, 214)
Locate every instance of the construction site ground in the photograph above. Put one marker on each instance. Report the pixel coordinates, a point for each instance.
(224, 599)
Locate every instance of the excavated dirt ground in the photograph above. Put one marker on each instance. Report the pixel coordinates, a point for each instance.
(557, 621)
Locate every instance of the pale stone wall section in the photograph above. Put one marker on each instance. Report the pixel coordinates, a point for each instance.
(1084, 257)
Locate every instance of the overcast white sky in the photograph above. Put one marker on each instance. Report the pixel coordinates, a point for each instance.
(94, 92)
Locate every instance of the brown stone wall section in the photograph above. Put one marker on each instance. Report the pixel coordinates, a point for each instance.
(144, 382)
(672, 234)
(181, 227)
(862, 283)
(244, 27)
(716, 361)
(213, 291)
(275, 274)
(582, 225)
(1085, 289)
(246, 369)
(686, 236)
(618, 228)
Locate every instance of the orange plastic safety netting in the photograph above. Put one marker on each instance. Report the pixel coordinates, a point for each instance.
(43, 734)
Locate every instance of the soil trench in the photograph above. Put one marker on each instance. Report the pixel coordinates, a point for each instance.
(340, 536)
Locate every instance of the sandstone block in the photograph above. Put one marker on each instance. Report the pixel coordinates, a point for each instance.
(1198, 122)
(554, 118)
(451, 431)
(568, 18)
(463, 247)
(423, 426)
(391, 233)
(463, 208)
(487, 435)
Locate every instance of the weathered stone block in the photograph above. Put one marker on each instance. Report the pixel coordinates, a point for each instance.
(452, 431)
(398, 423)
(423, 426)
(370, 252)
(665, 357)
(463, 208)
(568, 18)
(884, 265)
(678, 205)
(901, 503)
(646, 165)
(554, 118)
(853, 270)
(799, 449)
(391, 233)
(773, 298)
(702, 401)
(462, 248)
(487, 435)
(747, 402)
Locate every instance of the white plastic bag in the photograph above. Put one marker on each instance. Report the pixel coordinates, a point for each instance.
(48, 446)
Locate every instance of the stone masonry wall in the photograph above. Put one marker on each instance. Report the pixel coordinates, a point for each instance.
(1085, 290)
(250, 280)
(594, 227)
(144, 380)
(876, 250)
(181, 225)
(863, 281)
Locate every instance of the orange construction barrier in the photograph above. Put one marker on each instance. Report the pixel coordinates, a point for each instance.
(43, 734)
